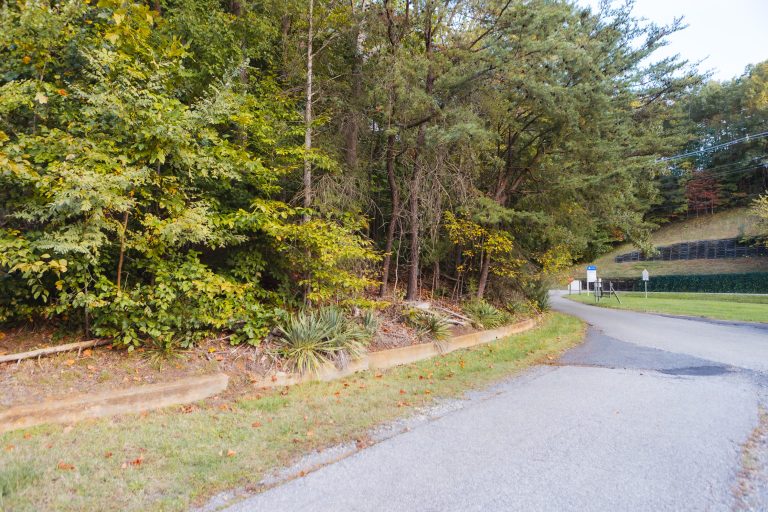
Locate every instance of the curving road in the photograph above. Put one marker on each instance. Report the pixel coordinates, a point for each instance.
(650, 413)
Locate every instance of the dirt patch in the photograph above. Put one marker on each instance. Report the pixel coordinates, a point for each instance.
(106, 368)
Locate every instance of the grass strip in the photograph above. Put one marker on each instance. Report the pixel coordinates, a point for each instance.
(746, 308)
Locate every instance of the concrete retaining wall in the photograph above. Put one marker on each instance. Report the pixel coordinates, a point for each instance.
(131, 400)
(155, 396)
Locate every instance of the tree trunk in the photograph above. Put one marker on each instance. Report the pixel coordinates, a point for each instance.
(352, 129)
(308, 116)
(415, 240)
(395, 198)
(412, 292)
(122, 251)
(484, 269)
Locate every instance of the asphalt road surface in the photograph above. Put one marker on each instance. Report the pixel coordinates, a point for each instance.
(651, 413)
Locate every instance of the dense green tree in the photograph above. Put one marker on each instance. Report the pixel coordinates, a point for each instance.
(154, 155)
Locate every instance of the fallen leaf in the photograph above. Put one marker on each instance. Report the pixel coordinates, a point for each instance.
(27, 435)
(378, 375)
(87, 352)
(108, 455)
(256, 424)
(137, 461)
(231, 453)
(65, 467)
(211, 350)
(402, 391)
(69, 362)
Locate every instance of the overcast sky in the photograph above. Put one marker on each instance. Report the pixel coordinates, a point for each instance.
(729, 34)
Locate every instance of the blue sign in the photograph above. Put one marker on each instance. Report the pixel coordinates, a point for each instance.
(591, 267)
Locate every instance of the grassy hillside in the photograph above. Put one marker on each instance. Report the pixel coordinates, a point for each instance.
(727, 224)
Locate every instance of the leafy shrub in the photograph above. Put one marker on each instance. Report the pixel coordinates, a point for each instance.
(141, 208)
(186, 303)
(484, 315)
(311, 339)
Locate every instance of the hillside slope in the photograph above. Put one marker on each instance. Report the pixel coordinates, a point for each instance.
(727, 224)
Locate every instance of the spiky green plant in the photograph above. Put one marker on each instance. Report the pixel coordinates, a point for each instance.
(370, 322)
(311, 339)
(537, 293)
(428, 324)
(484, 315)
(162, 349)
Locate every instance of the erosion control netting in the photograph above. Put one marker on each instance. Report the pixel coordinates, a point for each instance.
(701, 249)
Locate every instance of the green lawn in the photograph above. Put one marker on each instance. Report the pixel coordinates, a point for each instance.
(175, 458)
(748, 308)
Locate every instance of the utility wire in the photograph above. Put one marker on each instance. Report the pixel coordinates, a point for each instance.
(716, 147)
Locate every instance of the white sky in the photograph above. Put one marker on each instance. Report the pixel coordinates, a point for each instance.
(729, 34)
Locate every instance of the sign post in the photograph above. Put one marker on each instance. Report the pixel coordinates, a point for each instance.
(646, 276)
(592, 278)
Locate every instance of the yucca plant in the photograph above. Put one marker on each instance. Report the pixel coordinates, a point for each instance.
(311, 339)
(370, 322)
(484, 315)
(537, 293)
(428, 324)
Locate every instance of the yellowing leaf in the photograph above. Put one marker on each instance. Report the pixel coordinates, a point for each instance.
(41, 98)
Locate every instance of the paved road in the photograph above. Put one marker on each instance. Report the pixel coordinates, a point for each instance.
(649, 414)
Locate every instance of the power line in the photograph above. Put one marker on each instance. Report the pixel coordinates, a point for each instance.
(716, 147)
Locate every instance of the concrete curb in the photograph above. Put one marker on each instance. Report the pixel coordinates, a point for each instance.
(109, 403)
(155, 396)
(397, 356)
